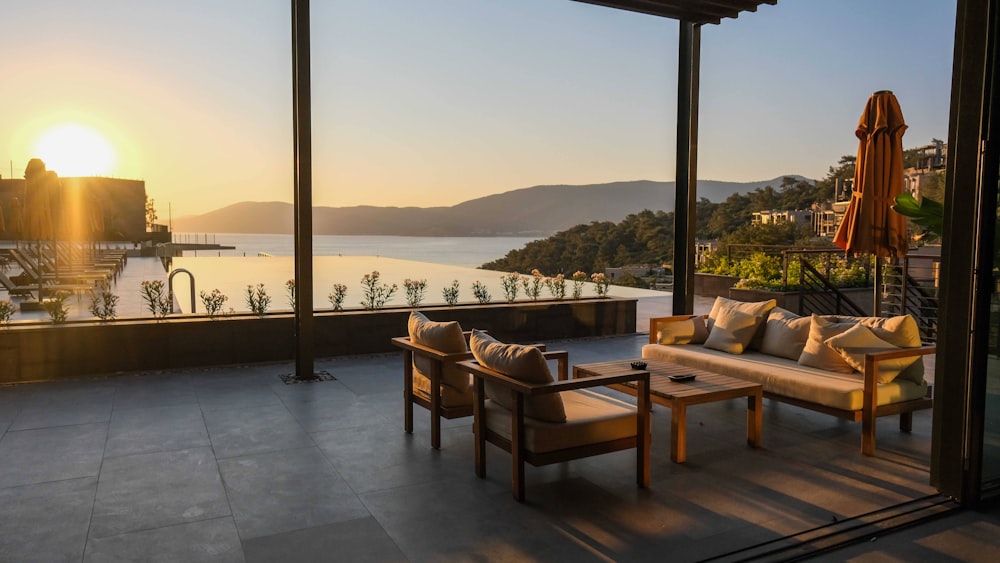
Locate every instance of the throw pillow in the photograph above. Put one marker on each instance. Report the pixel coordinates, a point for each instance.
(688, 331)
(732, 331)
(816, 353)
(524, 363)
(901, 331)
(756, 308)
(785, 334)
(444, 337)
(855, 342)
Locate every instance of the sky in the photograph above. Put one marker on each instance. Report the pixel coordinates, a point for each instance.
(435, 102)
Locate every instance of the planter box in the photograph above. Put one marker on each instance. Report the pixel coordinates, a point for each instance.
(712, 285)
(38, 352)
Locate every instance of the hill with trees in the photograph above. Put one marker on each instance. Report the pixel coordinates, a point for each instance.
(535, 211)
(647, 237)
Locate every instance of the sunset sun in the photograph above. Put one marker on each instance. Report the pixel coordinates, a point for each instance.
(76, 150)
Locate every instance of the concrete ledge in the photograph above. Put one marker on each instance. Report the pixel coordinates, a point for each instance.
(39, 352)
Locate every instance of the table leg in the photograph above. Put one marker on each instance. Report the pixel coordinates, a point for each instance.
(678, 432)
(755, 419)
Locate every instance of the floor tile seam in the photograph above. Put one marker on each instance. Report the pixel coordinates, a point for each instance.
(97, 487)
(161, 451)
(167, 526)
(22, 485)
(13, 430)
(293, 449)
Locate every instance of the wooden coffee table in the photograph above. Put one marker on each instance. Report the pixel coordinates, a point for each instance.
(707, 387)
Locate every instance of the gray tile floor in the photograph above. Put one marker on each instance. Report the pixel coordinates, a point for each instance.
(229, 464)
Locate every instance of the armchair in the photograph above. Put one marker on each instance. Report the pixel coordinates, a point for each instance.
(594, 423)
(431, 378)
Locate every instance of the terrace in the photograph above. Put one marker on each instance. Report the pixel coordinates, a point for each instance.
(231, 464)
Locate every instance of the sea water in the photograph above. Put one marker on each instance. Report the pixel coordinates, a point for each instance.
(269, 260)
(470, 252)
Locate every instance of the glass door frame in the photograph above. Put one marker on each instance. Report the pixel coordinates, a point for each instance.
(967, 257)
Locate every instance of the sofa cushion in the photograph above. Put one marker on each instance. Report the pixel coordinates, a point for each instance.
(444, 337)
(755, 308)
(785, 334)
(816, 353)
(524, 363)
(854, 343)
(901, 331)
(732, 331)
(788, 378)
(590, 418)
(688, 331)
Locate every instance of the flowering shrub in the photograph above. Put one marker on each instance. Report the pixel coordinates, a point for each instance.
(290, 292)
(480, 292)
(579, 278)
(213, 302)
(511, 285)
(156, 297)
(337, 295)
(376, 294)
(450, 294)
(533, 285)
(601, 283)
(415, 290)
(557, 286)
(7, 310)
(103, 303)
(257, 299)
(55, 306)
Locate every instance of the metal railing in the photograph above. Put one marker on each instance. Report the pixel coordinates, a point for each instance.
(910, 286)
(818, 295)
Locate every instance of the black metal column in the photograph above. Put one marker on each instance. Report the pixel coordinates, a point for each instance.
(686, 195)
(302, 119)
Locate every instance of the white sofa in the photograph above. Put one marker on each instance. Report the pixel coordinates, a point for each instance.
(889, 381)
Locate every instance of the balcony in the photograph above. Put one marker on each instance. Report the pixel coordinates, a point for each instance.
(231, 463)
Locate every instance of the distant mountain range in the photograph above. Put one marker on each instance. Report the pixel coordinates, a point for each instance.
(535, 211)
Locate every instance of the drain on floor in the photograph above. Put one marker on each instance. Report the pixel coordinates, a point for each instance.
(292, 379)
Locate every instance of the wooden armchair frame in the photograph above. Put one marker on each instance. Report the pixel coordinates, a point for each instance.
(434, 405)
(516, 445)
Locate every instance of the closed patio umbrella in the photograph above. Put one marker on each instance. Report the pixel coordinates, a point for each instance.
(869, 225)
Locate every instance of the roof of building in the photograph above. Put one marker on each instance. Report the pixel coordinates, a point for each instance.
(694, 11)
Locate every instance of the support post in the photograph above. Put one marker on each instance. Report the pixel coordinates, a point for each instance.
(686, 195)
(302, 124)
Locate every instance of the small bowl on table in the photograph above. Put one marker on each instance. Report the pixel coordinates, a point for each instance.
(638, 365)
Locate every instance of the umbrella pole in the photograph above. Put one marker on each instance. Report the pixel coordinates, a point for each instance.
(879, 281)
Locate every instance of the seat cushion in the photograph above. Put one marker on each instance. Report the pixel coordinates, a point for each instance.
(524, 363)
(445, 337)
(450, 396)
(591, 418)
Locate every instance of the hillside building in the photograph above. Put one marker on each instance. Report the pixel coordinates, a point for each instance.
(120, 206)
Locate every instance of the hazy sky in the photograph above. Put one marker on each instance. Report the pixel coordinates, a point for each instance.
(434, 102)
